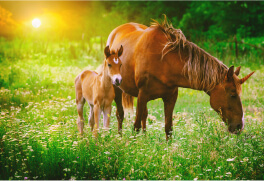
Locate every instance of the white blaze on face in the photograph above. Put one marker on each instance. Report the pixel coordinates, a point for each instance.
(116, 60)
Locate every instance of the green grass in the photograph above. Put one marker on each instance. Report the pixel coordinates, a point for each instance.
(39, 137)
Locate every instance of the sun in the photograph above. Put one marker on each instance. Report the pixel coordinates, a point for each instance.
(36, 23)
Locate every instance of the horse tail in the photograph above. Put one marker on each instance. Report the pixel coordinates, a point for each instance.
(128, 103)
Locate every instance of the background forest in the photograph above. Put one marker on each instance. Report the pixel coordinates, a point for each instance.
(213, 25)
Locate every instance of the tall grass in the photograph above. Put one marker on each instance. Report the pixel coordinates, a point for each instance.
(39, 137)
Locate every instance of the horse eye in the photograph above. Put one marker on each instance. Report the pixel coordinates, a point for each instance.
(109, 65)
(233, 95)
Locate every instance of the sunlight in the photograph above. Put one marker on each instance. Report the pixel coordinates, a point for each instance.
(36, 23)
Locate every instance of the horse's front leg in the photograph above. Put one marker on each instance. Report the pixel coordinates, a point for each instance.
(141, 113)
(169, 103)
(97, 114)
(119, 108)
(91, 117)
(106, 116)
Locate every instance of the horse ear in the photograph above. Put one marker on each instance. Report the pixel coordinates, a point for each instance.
(237, 70)
(230, 73)
(246, 78)
(107, 51)
(120, 51)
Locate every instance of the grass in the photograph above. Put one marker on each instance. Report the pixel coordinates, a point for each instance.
(39, 137)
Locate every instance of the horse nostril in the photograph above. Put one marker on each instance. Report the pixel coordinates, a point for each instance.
(239, 126)
(118, 82)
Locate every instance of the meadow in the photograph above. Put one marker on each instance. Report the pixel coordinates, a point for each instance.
(39, 137)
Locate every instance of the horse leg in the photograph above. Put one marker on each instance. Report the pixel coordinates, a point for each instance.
(141, 110)
(144, 118)
(169, 103)
(119, 108)
(106, 116)
(91, 117)
(97, 114)
(80, 120)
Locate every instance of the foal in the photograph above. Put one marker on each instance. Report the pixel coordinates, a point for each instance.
(98, 91)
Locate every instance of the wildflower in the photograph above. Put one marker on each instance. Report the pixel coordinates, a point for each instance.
(109, 158)
(25, 178)
(124, 178)
(107, 152)
(230, 159)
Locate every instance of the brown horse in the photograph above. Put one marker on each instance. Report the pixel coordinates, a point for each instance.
(98, 91)
(158, 59)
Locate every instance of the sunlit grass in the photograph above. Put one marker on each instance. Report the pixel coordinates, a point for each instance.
(39, 137)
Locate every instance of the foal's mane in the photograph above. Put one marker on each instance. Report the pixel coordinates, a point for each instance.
(202, 69)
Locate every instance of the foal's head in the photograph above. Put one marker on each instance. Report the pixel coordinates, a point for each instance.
(225, 99)
(113, 64)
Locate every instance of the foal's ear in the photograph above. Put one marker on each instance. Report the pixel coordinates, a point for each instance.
(120, 51)
(237, 70)
(230, 73)
(107, 51)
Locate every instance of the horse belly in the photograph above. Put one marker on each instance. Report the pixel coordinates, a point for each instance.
(88, 80)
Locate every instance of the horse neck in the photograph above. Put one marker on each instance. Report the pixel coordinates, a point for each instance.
(206, 73)
(106, 82)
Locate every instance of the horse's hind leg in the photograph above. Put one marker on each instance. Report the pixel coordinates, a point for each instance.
(169, 103)
(144, 118)
(141, 110)
(80, 120)
(91, 117)
(79, 103)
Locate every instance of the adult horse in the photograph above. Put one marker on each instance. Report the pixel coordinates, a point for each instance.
(158, 59)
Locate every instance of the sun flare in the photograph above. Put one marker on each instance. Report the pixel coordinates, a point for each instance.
(36, 23)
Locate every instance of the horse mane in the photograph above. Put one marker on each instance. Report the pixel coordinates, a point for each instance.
(202, 69)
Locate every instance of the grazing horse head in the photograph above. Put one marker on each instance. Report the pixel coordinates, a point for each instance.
(225, 99)
(112, 64)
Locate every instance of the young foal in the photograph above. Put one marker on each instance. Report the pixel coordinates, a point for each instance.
(98, 91)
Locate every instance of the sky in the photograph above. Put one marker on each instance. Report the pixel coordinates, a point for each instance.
(24, 10)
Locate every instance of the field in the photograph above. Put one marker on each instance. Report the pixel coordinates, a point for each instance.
(39, 137)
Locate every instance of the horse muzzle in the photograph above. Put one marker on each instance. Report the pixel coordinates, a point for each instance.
(117, 79)
(236, 129)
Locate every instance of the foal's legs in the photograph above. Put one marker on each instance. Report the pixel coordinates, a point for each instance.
(80, 121)
(141, 110)
(106, 116)
(97, 114)
(169, 103)
(91, 117)
(119, 108)
(79, 103)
